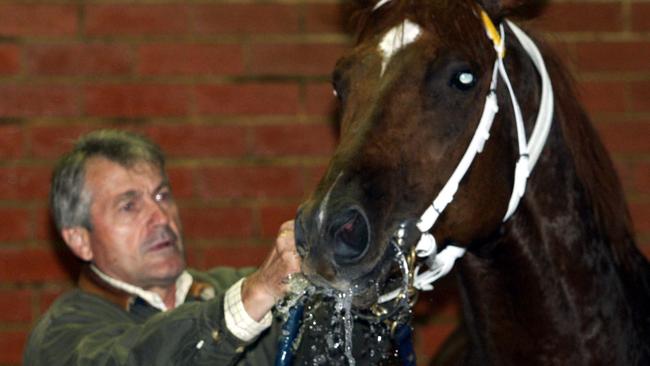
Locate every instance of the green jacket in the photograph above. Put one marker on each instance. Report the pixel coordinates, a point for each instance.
(97, 325)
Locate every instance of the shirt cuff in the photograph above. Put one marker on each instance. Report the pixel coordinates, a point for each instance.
(239, 323)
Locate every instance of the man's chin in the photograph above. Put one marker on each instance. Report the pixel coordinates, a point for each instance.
(167, 272)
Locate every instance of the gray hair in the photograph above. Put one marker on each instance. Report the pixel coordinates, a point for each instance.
(69, 201)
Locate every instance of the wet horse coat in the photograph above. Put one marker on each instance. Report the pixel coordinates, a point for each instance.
(560, 282)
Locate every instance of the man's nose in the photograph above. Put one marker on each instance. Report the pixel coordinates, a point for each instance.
(158, 214)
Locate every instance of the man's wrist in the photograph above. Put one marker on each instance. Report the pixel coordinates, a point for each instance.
(239, 322)
(256, 300)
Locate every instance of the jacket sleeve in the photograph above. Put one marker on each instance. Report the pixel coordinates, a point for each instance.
(90, 331)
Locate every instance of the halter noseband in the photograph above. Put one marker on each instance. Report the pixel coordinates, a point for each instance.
(439, 264)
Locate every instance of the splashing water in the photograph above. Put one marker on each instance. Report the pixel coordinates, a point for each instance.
(329, 326)
(299, 286)
(344, 305)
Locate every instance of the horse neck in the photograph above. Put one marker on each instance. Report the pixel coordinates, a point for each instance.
(552, 287)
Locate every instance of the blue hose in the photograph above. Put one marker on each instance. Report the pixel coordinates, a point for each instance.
(288, 335)
(404, 340)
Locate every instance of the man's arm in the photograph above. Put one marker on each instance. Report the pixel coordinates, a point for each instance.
(83, 329)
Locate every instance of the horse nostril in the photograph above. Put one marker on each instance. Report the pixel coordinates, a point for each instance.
(351, 237)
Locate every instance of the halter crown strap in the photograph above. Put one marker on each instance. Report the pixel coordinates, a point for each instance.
(493, 34)
(441, 263)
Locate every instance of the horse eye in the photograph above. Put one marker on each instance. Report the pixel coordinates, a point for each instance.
(463, 80)
(339, 93)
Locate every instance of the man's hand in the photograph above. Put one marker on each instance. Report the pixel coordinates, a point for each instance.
(268, 284)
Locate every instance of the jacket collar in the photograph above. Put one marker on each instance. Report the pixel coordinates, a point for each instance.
(92, 282)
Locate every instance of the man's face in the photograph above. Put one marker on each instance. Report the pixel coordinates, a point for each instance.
(136, 229)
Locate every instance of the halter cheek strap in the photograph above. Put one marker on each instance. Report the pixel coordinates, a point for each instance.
(439, 264)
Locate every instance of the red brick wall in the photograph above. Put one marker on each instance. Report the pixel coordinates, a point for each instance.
(238, 94)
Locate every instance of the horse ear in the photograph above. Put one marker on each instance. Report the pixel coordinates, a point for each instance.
(520, 9)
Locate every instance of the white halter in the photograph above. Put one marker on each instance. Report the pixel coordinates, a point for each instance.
(441, 263)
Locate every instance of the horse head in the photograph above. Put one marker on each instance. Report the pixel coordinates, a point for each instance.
(412, 92)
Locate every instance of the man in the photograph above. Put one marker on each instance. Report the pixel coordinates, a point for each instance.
(137, 304)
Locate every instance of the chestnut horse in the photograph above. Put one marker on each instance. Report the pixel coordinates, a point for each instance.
(548, 270)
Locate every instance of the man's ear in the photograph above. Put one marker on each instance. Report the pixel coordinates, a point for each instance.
(78, 239)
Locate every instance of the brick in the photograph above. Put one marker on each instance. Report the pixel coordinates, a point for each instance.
(197, 140)
(625, 171)
(320, 100)
(246, 18)
(47, 298)
(12, 141)
(293, 139)
(24, 182)
(602, 96)
(640, 16)
(15, 224)
(15, 306)
(182, 181)
(12, 344)
(136, 100)
(250, 182)
(324, 18)
(51, 141)
(563, 50)
(640, 217)
(78, 59)
(629, 137)
(613, 56)
(583, 16)
(38, 101)
(190, 59)
(33, 265)
(273, 216)
(294, 59)
(215, 223)
(9, 59)
(642, 177)
(639, 96)
(193, 255)
(45, 229)
(314, 176)
(49, 20)
(249, 99)
(235, 256)
(136, 19)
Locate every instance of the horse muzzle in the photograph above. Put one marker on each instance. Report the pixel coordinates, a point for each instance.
(335, 247)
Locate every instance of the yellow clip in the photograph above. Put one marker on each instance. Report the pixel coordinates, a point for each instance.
(493, 33)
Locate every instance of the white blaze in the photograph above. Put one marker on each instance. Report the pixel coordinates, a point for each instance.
(322, 210)
(380, 3)
(397, 38)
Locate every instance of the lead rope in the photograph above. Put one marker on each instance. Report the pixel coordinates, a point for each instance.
(288, 335)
